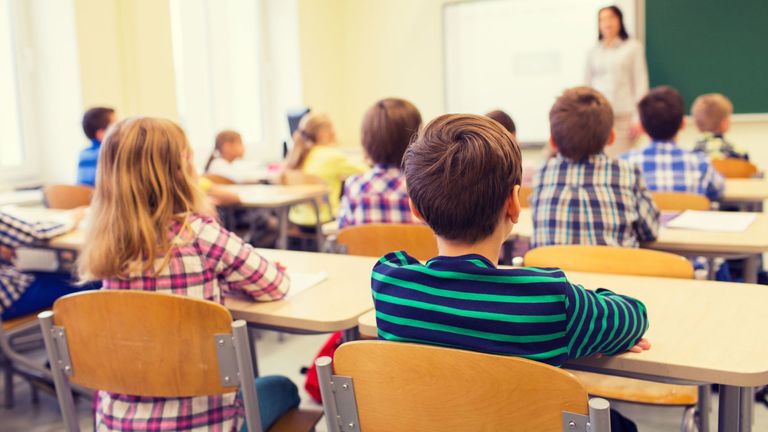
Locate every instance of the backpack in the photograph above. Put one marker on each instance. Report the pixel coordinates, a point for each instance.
(312, 385)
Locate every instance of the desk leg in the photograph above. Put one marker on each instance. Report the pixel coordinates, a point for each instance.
(252, 336)
(704, 406)
(282, 239)
(747, 405)
(730, 410)
(318, 226)
(350, 335)
(751, 269)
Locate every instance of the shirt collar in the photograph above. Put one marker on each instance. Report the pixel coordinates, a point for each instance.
(668, 143)
(384, 167)
(95, 143)
(468, 257)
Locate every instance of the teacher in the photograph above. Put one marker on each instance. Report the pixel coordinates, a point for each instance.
(616, 67)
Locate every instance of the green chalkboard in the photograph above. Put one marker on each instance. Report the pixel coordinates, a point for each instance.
(703, 46)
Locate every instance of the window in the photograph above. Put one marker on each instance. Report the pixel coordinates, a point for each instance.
(232, 72)
(12, 153)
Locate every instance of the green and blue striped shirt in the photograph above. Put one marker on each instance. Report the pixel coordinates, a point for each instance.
(466, 302)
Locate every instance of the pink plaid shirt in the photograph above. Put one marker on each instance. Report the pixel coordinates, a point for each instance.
(207, 261)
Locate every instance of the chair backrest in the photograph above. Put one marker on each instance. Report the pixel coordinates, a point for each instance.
(525, 195)
(143, 343)
(413, 387)
(678, 201)
(67, 197)
(734, 168)
(147, 344)
(218, 179)
(612, 260)
(379, 239)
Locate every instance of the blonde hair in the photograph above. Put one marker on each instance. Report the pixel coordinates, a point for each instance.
(145, 180)
(709, 110)
(223, 137)
(305, 138)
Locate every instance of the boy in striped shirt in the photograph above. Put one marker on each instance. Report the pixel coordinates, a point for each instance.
(463, 174)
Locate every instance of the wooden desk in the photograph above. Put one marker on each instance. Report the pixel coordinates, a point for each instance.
(21, 198)
(281, 198)
(749, 193)
(701, 332)
(333, 305)
(752, 242)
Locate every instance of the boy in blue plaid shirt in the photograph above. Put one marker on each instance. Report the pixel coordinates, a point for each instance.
(581, 196)
(667, 167)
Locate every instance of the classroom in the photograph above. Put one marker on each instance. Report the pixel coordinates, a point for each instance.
(383, 215)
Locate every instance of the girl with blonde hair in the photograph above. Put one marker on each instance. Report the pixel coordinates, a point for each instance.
(149, 231)
(315, 153)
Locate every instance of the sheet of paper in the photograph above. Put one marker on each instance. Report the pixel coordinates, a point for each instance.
(301, 281)
(40, 214)
(712, 221)
(33, 259)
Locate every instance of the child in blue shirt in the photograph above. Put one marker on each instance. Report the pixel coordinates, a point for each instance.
(95, 124)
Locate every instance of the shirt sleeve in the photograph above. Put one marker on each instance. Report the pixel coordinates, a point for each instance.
(239, 267)
(647, 223)
(711, 180)
(345, 209)
(588, 69)
(602, 322)
(15, 232)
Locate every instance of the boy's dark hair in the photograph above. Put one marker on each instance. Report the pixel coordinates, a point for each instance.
(503, 118)
(460, 171)
(95, 119)
(580, 122)
(661, 113)
(388, 127)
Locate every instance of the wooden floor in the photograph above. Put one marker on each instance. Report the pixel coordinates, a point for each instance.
(287, 358)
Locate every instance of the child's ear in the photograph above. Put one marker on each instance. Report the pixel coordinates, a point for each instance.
(100, 134)
(415, 212)
(611, 138)
(725, 124)
(682, 124)
(552, 147)
(513, 204)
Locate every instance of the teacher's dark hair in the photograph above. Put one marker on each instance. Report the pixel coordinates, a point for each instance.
(617, 12)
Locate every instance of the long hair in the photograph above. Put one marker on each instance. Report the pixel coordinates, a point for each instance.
(145, 181)
(622, 30)
(305, 138)
(223, 137)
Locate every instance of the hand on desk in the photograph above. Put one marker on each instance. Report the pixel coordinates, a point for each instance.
(7, 254)
(642, 345)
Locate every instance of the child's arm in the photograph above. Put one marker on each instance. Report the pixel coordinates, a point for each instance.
(601, 322)
(647, 224)
(713, 182)
(15, 232)
(345, 209)
(240, 267)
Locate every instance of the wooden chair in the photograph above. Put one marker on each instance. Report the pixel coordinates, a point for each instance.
(377, 386)
(380, 239)
(217, 179)
(679, 201)
(129, 342)
(627, 261)
(734, 168)
(525, 195)
(612, 260)
(67, 197)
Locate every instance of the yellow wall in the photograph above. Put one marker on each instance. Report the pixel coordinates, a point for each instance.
(126, 56)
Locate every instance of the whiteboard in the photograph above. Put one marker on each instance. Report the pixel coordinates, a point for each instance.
(519, 55)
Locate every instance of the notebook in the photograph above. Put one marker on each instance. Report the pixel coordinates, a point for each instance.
(712, 221)
(301, 281)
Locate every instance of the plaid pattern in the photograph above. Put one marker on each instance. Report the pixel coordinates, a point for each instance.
(600, 201)
(668, 168)
(15, 232)
(716, 146)
(378, 196)
(207, 260)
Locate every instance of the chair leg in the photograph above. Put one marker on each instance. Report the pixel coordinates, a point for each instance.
(8, 382)
(689, 420)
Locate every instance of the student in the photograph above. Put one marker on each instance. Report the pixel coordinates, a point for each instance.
(505, 120)
(315, 153)
(667, 167)
(379, 196)
(148, 233)
(582, 196)
(463, 174)
(95, 124)
(227, 152)
(22, 293)
(712, 114)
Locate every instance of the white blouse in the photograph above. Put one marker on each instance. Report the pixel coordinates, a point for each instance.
(620, 73)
